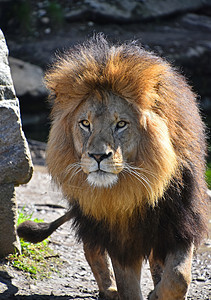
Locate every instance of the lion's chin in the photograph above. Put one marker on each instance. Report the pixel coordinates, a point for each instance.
(102, 179)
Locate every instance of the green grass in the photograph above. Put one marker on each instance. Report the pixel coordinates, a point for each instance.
(38, 261)
(208, 175)
(22, 216)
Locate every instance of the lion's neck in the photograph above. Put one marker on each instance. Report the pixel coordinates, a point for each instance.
(115, 204)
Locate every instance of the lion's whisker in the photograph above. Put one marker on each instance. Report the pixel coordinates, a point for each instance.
(73, 174)
(74, 169)
(72, 166)
(140, 177)
(140, 169)
(142, 180)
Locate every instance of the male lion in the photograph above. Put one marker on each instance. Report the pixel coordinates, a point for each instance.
(127, 148)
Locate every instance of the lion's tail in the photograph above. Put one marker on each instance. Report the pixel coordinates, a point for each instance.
(36, 232)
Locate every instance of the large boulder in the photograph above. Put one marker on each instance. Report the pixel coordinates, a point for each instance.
(15, 161)
(9, 241)
(129, 10)
(27, 78)
(29, 88)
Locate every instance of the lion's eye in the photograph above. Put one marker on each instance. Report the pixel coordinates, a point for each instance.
(85, 124)
(121, 125)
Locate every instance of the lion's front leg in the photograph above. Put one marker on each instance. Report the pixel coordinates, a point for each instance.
(156, 269)
(102, 271)
(128, 280)
(176, 277)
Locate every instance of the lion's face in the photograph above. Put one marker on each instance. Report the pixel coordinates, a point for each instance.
(105, 135)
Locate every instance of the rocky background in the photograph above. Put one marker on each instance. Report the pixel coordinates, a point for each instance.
(178, 30)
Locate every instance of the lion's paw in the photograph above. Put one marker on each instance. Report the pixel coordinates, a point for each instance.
(110, 294)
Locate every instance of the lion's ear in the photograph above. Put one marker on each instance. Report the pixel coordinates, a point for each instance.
(54, 92)
(52, 96)
(55, 83)
(145, 119)
(150, 118)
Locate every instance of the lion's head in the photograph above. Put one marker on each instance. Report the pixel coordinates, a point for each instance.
(118, 133)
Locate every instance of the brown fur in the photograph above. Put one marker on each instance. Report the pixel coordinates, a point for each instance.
(127, 220)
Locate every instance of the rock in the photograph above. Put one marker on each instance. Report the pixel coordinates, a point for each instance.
(31, 91)
(201, 279)
(27, 78)
(129, 10)
(8, 208)
(15, 159)
(7, 90)
(194, 21)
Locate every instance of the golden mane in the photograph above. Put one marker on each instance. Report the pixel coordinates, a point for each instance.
(155, 91)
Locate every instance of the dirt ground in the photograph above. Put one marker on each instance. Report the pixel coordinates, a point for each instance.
(73, 279)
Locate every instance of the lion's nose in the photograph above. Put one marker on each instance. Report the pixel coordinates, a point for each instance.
(100, 156)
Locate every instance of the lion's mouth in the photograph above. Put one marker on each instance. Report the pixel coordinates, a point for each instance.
(101, 178)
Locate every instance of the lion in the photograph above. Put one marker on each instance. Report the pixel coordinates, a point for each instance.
(127, 148)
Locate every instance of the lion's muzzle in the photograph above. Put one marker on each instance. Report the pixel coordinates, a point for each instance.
(100, 157)
(102, 168)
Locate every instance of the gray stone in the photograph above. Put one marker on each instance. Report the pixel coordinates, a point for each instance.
(130, 10)
(194, 21)
(15, 160)
(8, 217)
(6, 85)
(27, 78)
